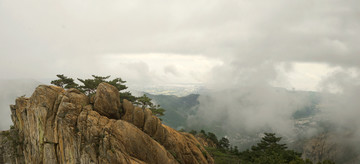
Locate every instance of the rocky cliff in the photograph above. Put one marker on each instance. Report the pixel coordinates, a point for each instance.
(204, 140)
(331, 146)
(65, 126)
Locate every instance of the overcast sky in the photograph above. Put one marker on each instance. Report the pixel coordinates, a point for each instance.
(179, 41)
(241, 48)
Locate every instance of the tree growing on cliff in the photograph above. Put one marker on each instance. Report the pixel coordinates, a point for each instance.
(89, 86)
(64, 82)
(224, 143)
(213, 138)
(145, 102)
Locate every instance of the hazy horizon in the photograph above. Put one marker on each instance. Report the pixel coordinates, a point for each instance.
(239, 49)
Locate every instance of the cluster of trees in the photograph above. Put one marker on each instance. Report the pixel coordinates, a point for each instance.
(223, 144)
(88, 87)
(270, 151)
(267, 151)
(145, 102)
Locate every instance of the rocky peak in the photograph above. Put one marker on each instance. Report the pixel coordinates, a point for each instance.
(107, 101)
(61, 126)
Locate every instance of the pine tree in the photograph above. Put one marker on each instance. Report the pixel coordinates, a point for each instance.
(64, 82)
(89, 85)
(270, 151)
(89, 88)
(224, 143)
(145, 102)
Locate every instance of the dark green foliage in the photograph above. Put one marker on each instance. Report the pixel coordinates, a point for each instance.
(270, 151)
(145, 102)
(213, 138)
(203, 132)
(221, 157)
(326, 162)
(128, 96)
(267, 151)
(64, 82)
(193, 132)
(89, 85)
(224, 143)
(89, 88)
(235, 150)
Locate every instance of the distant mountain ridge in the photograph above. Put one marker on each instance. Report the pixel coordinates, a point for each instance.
(177, 108)
(317, 148)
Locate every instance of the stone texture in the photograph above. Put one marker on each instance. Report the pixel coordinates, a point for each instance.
(61, 126)
(10, 147)
(183, 146)
(118, 138)
(107, 101)
(204, 141)
(331, 146)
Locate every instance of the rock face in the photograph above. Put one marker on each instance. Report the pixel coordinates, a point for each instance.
(319, 148)
(205, 141)
(107, 101)
(9, 147)
(183, 146)
(329, 146)
(61, 126)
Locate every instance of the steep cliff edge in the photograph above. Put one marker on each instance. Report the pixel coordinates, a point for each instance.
(63, 126)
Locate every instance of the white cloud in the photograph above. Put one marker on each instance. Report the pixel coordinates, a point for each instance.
(161, 68)
(235, 46)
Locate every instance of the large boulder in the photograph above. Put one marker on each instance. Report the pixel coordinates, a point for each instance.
(107, 101)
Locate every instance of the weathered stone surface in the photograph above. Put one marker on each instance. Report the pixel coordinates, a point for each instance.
(10, 149)
(129, 111)
(183, 146)
(138, 118)
(35, 119)
(107, 101)
(204, 141)
(58, 126)
(114, 138)
(72, 102)
(331, 146)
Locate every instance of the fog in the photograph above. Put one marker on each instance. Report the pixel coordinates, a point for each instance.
(244, 52)
(10, 90)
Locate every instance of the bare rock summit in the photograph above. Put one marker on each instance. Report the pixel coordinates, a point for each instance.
(62, 126)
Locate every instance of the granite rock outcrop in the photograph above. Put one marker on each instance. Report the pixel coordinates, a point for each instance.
(62, 126)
